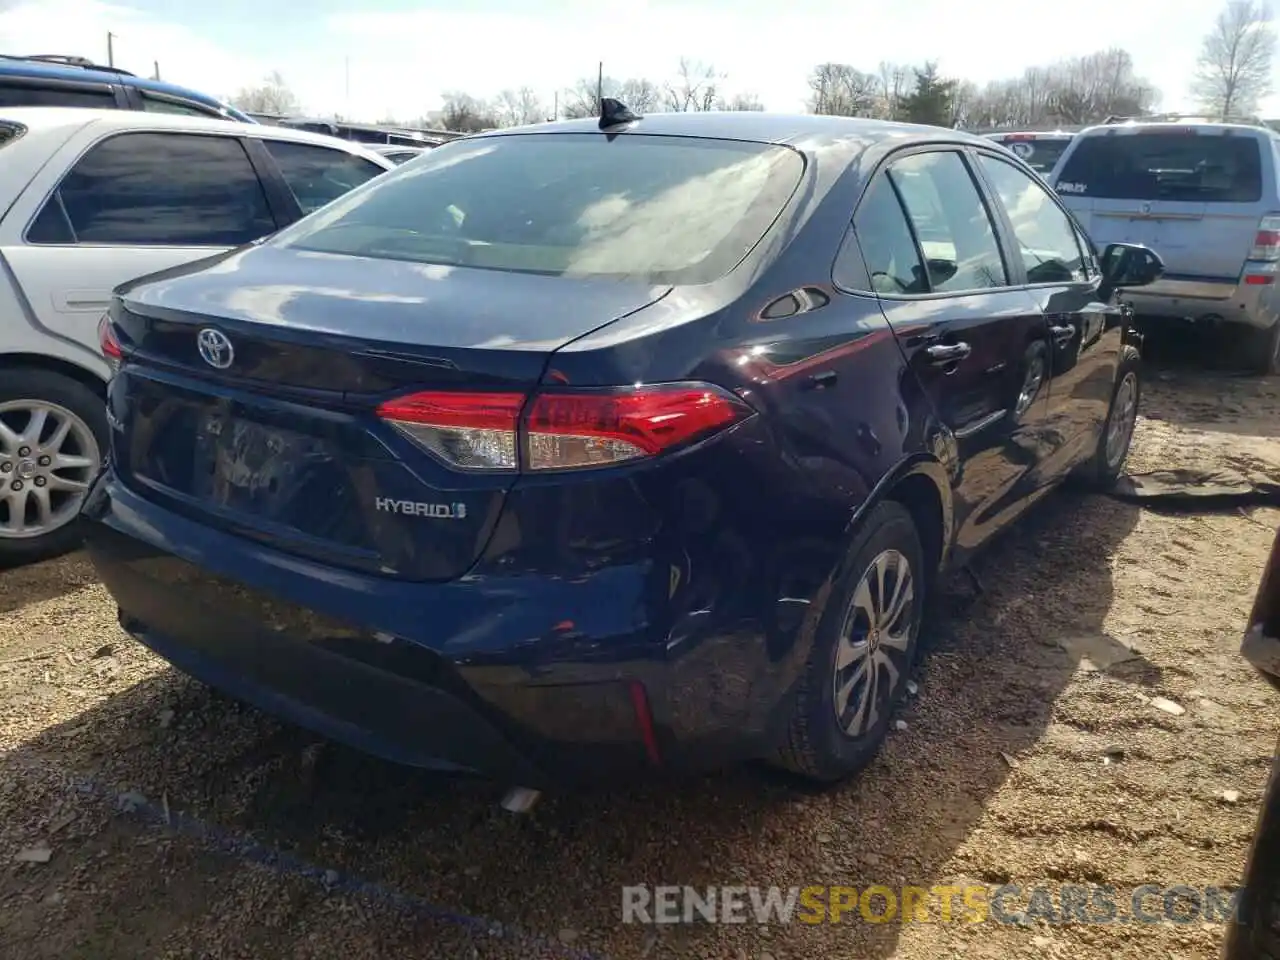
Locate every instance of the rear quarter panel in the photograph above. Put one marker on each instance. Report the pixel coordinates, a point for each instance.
(729, 548)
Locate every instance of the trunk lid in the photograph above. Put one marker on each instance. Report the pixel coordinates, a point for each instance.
(282, 445)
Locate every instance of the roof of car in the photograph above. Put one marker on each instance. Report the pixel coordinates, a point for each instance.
(1136, 124)
(1024, 134)
(52, 118)
(19, 66)
(759, 127)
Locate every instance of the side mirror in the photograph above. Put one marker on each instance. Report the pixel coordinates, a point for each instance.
(1129, 265)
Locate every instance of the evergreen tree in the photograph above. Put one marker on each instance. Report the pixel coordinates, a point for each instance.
(933, 99)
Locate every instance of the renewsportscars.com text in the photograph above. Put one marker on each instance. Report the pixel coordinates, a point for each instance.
(959, 903)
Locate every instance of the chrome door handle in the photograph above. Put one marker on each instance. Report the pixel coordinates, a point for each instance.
(1063, 334)
(947, 352)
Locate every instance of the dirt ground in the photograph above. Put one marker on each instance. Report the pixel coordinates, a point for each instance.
(178, 824)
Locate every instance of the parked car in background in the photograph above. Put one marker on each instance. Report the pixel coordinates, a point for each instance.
(398, 155)
(610, 445)
(54, 81)
(1205, 196)
(1256, 933)
(92, 198)
(1038, 149)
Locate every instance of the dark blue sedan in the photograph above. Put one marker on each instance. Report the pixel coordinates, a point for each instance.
(603, 447)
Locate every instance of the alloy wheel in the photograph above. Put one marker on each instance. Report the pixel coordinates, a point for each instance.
(875, 638)
(1123, 417)
(48, 456)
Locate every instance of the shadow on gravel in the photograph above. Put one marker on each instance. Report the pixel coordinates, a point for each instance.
(1000, 654)
(24, 584)
(1192, 379)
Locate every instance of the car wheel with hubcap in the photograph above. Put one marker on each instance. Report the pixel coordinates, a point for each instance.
(1107, 462)
(53, 431)
(863, 651)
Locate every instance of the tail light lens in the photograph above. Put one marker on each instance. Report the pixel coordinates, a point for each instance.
(562, 430)
(1266, 245)
(109, 344)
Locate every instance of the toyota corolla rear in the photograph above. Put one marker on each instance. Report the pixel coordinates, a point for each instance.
(349, 483)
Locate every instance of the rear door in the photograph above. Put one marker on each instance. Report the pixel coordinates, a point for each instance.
(132, 204)
(1085, 333)
(975, 340)
(1195, 194)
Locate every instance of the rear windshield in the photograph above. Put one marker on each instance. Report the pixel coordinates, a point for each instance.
(1040, 155)
(1181, 165)
(670, 210)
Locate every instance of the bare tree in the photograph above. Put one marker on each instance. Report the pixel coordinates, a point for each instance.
(841, 90)
(1234, 69)
(513, 108)
(696, 87)
(271, 96)
(466, 114)
(895, 83)
(642, 96)
(742, 101)
(1071, 92)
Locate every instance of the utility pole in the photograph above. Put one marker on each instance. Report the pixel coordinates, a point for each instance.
(111, 50)
(555, 113)
(600, 87)
(157, 66)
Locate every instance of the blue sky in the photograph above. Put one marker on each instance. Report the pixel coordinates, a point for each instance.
(404, 53)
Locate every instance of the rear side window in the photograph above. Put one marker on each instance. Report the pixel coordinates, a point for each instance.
(161, 189)
(657, 209)
(27, 95)
(164, 105)
(950, 221)
(1178, 165)
(890, 252)
(319, 175)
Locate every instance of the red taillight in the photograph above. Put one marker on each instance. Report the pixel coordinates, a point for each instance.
(473, 431)
(1266, 242)
(567, 430)
(561, 430)
(109, 344)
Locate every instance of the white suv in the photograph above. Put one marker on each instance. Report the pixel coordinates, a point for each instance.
(90, 199)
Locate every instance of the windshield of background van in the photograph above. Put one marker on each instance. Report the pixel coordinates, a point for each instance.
(668, 210)
(1178, 166)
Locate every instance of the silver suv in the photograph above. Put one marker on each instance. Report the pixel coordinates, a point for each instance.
(1202, 194)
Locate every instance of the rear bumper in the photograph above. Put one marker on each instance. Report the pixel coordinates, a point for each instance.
(469, 676)
(1252, 305)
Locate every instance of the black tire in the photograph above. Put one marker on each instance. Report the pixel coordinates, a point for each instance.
(79, 400)
(816, 745)
(1101, 471)
(1262, 348)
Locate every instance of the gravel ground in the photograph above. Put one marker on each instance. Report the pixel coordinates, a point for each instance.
(178, 824)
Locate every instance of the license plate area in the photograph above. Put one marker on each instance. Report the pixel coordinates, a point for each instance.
(249, 467)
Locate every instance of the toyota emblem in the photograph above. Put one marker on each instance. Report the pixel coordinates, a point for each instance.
(1146, 208)
(215, 348)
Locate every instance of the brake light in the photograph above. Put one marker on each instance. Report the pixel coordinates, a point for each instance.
(1266, 244)
(472, 431)
(109, 344)
(562, 430)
